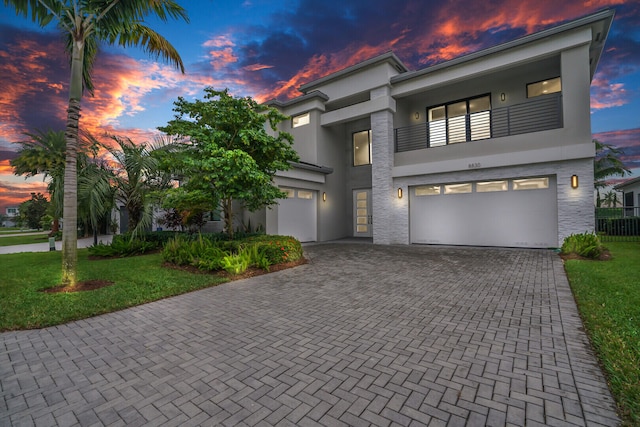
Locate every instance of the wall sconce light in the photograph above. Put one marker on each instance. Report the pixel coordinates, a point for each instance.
(416, 115)
(503, 97)
(399, 193)
(324, 196)
(574, 181)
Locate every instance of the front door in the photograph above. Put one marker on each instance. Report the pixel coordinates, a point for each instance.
(362, 216)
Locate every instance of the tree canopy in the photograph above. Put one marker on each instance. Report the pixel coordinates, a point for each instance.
(32, 211)
(226, 153)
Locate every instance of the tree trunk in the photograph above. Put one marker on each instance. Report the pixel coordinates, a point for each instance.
(70, 202)
(227, 210)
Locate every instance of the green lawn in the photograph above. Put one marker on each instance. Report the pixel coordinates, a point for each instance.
(137, 280)
(608, 297)
(23, 240)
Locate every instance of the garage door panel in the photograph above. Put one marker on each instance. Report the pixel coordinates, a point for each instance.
(297, 216)
(526, 218)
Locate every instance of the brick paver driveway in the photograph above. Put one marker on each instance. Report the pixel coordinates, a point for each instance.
(362, 335)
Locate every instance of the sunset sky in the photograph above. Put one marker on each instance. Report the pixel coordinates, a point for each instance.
(268, 48)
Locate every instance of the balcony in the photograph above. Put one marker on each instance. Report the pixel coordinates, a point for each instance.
(540, 114)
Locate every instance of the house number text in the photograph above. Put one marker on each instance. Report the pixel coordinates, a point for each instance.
(474, 165)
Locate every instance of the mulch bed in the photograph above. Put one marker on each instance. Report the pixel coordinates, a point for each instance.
(87, 285)
(604, 256)
(251, 271)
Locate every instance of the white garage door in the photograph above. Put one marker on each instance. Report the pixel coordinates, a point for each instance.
(297, 214)
(510, 212)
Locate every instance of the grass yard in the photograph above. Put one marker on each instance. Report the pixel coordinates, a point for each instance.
(608, 297)
(137, 280)
(23, 240)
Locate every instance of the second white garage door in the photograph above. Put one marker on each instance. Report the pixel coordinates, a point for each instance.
(297, 214)
(510, 212)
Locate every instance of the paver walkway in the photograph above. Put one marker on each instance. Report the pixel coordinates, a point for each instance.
(362, 335)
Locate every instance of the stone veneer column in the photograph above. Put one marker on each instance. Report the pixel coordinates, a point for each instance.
(576, 206)
(382, 164)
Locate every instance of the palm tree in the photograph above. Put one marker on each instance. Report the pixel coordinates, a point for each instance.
(43, 153)
(96, 194)
(137, 178)
(85, 23)
(606, 164)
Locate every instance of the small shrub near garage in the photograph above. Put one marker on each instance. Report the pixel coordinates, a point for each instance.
(234, 256)
(586, 245)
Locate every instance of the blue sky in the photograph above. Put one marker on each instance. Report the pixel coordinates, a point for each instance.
(267, 48)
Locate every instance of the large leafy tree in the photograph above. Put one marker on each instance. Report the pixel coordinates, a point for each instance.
(607, 164)
(86, 23)
(34, 209)
(227, 153)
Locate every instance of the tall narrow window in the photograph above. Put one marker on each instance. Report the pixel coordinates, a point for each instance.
(544, 87)
(362, 148)
(456, 114)
(480, 118)
(437, 126)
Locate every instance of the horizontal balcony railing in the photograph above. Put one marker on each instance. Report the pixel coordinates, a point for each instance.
(539, 114)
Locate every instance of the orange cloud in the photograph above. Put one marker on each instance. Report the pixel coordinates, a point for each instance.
(14, 193)
(257, 67)
(223, 53)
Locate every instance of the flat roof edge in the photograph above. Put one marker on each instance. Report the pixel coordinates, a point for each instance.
(606, 14)
(385, 57)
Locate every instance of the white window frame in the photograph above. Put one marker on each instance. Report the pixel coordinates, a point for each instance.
(300, 120)
(544, 87)
(356, 148)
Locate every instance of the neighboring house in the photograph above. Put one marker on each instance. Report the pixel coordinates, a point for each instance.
(630, 196)
(11, 214)
(493, 148)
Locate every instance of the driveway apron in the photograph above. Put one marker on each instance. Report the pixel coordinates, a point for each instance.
(361, 335)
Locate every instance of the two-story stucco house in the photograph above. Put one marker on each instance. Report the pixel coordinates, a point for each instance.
(493, 148)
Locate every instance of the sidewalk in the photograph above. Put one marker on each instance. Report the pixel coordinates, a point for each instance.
(44, 246)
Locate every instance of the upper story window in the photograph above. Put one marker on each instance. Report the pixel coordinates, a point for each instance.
(544, 87)
(460, 121)
(362, 148)
(300, 120)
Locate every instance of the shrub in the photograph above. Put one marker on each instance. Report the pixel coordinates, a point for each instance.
(234, 256)
(586, 245)
(123, 246)
(201, 252)
(279, 249)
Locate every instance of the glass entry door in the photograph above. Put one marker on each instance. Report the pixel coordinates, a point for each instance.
(362, 215)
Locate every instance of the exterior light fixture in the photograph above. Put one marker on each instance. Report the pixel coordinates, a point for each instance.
(324, 196)
(574, 181)
(503, 97)
(399, 193)
(416, 115)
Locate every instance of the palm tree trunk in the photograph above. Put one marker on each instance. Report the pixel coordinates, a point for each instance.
(70, 202)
